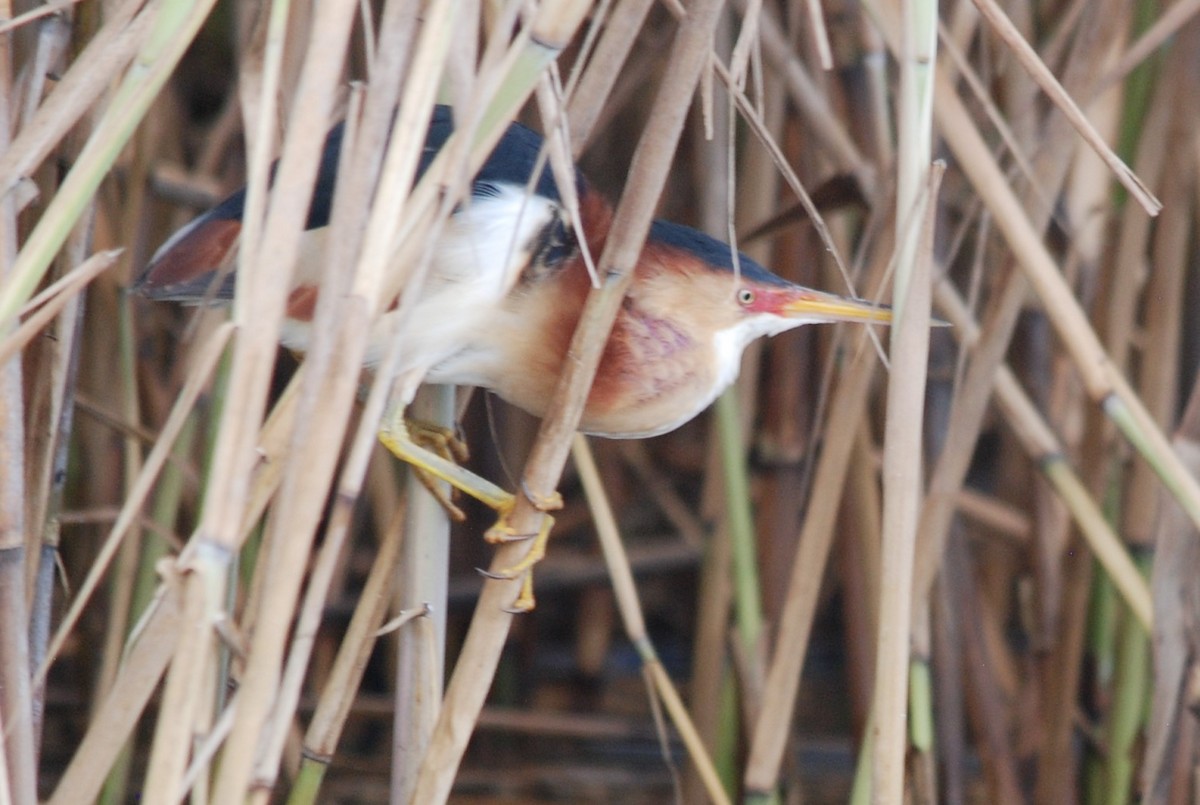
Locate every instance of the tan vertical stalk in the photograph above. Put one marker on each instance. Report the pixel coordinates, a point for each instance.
(16, 701)
(485, 638)
(421, 662)
(635, 625)
(902, 465)
(314, 449)
(770, 733)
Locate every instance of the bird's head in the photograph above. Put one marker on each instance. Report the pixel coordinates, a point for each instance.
(696, 277)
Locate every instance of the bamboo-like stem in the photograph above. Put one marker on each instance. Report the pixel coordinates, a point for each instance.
(631, 615)
(205, 364)
(51, 417)
(105, 56)
(314, 449)
(816, 538)
(18, 769)
(334, 705)
(73, 283)
(1177, 547)
(1173, 18)
(916, 198)
(597, 81)
(971, 404)
(280, 583)
(424, 571)
(485, 638)
(150, 650)
(124, 579)
(902, 465)
(1132, 685)
(175, 26)
(1105, 385)
(168, 494)
(837, 142)
(1043, 446)
(1036, 68)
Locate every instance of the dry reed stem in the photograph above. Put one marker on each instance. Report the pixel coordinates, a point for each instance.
(325, 396)
(485, 638)
(902, 465)
(1065, 592)
(982, 687)
(1125, 286)
(966, 420)
(65, 290)
(159, 53)
(1173, 18)
(103, 58)
(1036, 68)
(204, 366)
(988, 351)
(625, 590)
(1043, 447)
(314, 450)
(1165, 290)
(1177, 548)
(826, 125)
(1063, 309)
(50, 428)
(596, 83)
(816, 537)
(333, 706)
(149, 651)
(424, 570)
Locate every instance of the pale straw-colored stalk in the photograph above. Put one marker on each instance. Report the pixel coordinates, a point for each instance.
(107, 53)
(66, 289)
(329, 389)
(206, 362)
(146, 659)
(1043, 446)
(485, 638)
(903, 478)
(770, 733)
(424, 571)
(621, 574)
(17, 718)
(333, 706)
(1103, 383)
(175, 25)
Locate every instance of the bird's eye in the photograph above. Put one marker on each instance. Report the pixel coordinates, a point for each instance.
(745, 296)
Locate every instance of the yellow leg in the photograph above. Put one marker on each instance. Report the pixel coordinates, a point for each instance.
(393, 432)
(443, 441)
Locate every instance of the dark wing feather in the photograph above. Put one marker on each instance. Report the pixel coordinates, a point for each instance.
(186, 267)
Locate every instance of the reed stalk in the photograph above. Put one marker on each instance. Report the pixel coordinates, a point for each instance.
(631, 615)
(480, 654)
(420, 652)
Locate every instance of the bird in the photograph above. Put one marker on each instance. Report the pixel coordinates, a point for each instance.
(506, 289)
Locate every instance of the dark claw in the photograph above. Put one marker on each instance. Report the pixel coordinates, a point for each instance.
(544, 505)
(507, 538)
(487, 574)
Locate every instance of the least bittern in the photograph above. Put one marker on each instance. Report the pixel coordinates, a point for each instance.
(505, 292)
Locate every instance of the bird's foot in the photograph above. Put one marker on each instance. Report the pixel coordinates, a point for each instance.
(434, 487)
(441, 440)
(446, 443)
(503, 533)
(395, 436)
